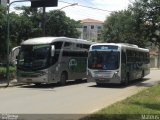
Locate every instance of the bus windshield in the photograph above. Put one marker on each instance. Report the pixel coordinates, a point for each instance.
(104, 60)
(33, 57)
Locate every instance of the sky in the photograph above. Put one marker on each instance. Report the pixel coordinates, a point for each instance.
(78, 12)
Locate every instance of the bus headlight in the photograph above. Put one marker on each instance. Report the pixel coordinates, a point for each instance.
(116, 76)
(116, 72)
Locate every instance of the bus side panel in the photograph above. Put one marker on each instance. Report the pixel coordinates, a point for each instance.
(77, 67)
(123, 65)
(53, 74)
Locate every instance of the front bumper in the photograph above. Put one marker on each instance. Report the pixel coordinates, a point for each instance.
(104, 77)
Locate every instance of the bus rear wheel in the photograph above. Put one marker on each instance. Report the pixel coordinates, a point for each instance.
(142, 75)
(63, 78)
(37, 84)
(99, 84)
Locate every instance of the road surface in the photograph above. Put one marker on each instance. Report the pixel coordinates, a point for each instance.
(74, 98)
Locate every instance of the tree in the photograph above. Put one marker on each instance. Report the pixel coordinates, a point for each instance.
(149, 12)
(139, 24)
(150, 16)
(34, 17)
(122, 27)
(2, 32)
(58, 24)
(28, 25)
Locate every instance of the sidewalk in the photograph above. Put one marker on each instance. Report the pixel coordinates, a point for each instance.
(12, 83)
(154, 68)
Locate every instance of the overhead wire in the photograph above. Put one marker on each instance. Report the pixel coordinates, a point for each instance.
(88, 14)
(87, 6)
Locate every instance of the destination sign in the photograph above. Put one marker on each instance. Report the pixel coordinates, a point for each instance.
(104, 47)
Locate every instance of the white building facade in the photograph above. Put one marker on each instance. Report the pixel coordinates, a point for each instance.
(91, 29)
(4, 2)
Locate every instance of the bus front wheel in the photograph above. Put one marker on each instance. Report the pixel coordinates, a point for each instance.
(99, 84)
(63, 78)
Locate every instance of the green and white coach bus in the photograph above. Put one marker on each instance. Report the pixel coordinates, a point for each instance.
(52, 60)
(117, 63)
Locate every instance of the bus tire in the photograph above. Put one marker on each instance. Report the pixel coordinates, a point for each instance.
(63, 78)
(37, 84)
(99, 84)
(142, 75)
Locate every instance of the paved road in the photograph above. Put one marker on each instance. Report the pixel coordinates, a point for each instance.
(74, 98)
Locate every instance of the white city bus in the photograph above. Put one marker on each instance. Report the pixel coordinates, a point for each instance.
(52, 60)
(117, 63)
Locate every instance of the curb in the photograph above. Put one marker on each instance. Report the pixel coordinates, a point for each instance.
(12, 83)
(154, 68)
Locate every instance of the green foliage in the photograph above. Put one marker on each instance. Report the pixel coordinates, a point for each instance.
(136, 25)
(144, 103)
(28, 25)
(148, 11)
(2, 32)
(121, 27)
(3, 70)
(12, 72)
(58, 24)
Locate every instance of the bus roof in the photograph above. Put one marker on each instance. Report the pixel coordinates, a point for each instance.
(123, 45)
(49, 40)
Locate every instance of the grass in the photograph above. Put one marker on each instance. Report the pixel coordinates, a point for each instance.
(147, 102)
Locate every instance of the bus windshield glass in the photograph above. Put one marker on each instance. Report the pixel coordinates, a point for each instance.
(33, 57)
(104, 60)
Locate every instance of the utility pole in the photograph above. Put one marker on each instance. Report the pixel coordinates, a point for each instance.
(44, 21)
(158, 63)
(8, 38)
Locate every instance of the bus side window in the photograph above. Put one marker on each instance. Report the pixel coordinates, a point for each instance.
(68, 45)
(123, 57)
(86, 46)
(148, 58)
(129, 56)
(58, 46)
(79, 45)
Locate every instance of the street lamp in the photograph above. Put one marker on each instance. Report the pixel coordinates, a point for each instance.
(69, 5)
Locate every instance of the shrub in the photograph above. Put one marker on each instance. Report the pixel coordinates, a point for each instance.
(12, 72)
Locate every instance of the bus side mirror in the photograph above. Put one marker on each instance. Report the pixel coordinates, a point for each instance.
(52, 50)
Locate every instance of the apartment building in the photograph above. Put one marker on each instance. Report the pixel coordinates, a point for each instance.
(91, 29)
(4, 2)
(154, 55)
